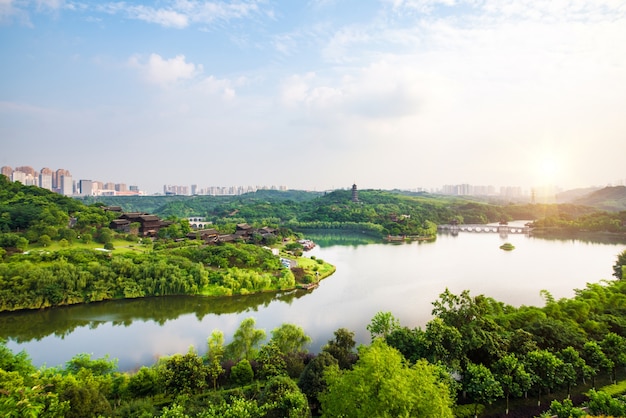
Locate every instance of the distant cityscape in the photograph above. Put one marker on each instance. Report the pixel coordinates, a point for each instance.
(61, 181)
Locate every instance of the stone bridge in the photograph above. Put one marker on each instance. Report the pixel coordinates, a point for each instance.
(502, 229)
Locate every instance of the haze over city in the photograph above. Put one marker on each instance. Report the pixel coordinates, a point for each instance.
(316, 95)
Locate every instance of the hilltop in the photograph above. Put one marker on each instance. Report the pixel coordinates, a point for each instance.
(612, 199)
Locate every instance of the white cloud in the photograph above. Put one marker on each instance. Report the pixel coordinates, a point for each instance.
(181, 13)
(167, 17)
(165, 71)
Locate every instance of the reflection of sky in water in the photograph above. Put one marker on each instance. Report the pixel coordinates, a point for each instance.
(404, 279)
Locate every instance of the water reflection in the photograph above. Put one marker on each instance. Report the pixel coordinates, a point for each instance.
(25, 326)
(371, 276)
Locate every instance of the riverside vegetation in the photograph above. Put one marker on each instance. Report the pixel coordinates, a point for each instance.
(476, 356)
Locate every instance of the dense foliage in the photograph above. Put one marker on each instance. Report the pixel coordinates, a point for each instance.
(57, 251)
(474, 353)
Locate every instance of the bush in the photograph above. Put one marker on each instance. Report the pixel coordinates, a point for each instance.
(241, 373)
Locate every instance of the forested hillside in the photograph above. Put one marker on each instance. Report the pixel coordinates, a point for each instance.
(377, 212)
(57, 251)
(608, 199)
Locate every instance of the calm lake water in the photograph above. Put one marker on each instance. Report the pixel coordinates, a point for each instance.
(371, 276)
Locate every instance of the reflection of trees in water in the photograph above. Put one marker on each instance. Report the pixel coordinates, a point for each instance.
(586, 237)
(328, 238)
(25, 326)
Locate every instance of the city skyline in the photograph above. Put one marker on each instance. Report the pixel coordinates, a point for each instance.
(400, 94)
(83, 187)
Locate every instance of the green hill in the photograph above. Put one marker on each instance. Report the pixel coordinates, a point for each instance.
(612, 199)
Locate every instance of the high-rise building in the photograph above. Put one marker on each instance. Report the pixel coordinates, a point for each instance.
(56, 179)
(120, 187)
(86, 187)
(27, 170)
(45, 178)
(7, 171)
(66, 184)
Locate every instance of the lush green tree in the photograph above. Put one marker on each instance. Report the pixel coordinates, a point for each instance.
(381, 383)
(312, 382)
(282, 398)
(21, 398)
(480, 385)
(618, 267)
(565, 409)
(290, 338)
(614, 347)
(602, 404)
(382, 324)
(342, 348)
(144, 382)
(445, 343)
(214, 356)
(544, 368)
(85, 395)
(98, 367)
(412, 343)
(45, 240)
(183, 374)
(242, 373)
(595, 359)
(238, 407)
(510, 373)
(271, 361)
(245, 341)
(579, 370)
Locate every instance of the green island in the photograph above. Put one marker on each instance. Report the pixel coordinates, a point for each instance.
(478, 356)
(507, 246)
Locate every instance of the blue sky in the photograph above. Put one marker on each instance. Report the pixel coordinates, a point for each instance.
(316, 94)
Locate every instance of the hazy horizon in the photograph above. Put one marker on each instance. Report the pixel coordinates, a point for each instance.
(317, 95)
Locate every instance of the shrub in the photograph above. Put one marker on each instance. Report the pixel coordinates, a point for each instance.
(241, 373)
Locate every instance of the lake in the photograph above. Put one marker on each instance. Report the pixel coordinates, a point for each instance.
(371, 276)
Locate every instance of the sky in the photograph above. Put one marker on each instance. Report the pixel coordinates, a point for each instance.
(317, 94)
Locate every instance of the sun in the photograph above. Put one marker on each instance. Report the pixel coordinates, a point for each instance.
(548, 170)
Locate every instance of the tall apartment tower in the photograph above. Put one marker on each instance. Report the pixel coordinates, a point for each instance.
(45, 178)
(57, 182)
(65, 184)
(6, 171)
(86, 187)
(355, 193)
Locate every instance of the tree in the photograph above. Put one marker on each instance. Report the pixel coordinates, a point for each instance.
(214, 356)
(98, 367)
(312, 382)
(271, 360)
(45, 240)
(281, 398)
(566, 409)
(290, 338)
(245, 341)
(614, 347)
(184, 374)
(509, 372)
(382, 324)
(544, 368)
(382, 384)
(480, 385)
(341, 348)
(242, 373)
(618, 267)
(602, 404)
(596, 360)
